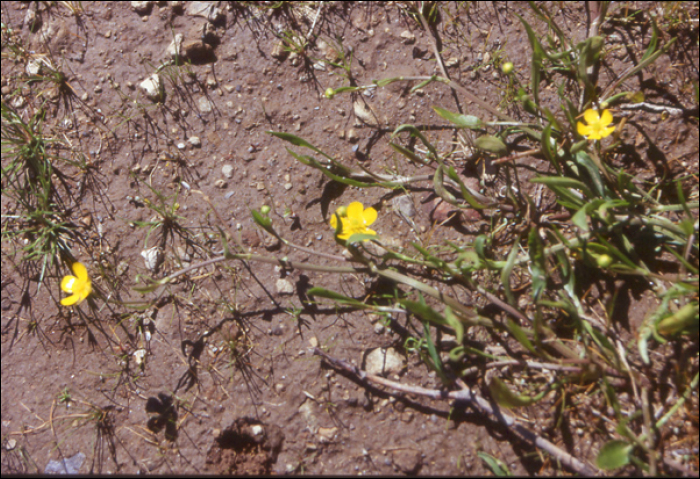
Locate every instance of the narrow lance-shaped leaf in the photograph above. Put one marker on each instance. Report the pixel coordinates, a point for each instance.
(468, 197)
(360, 237)
(416, 132)
(421, 309)
(458, 119)
(538, 268)
(536, 64)
(506, 398)
(520, 334)
(434, 356)
(328, 294)
(508, 269)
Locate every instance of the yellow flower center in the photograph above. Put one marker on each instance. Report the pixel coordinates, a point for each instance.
(354, 219)
(354, 225)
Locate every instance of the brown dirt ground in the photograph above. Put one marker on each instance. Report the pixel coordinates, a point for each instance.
(312, 420)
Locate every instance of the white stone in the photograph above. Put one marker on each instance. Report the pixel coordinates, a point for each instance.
(382, 361)
(284, 286)
(152, 258)
(153, 87)
(227, 171)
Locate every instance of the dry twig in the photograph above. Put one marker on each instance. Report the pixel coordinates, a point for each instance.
(466, 396)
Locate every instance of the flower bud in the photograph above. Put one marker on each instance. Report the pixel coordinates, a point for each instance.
(604, 260)
(264, 209)
(329, 93)
(342, 211)
(507, 67)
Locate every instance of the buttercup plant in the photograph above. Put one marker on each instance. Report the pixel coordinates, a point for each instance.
(79, 285)
(501, 302)
(598, 124)
(355, 220)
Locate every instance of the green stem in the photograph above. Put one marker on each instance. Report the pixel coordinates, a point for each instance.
(467, 313)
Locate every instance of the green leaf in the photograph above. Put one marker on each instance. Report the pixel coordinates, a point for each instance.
(589, 54)
(520, 334)
(654, 40)
(506, 398)
(614, 454)
(468, 197)
(294, 140)
(536, 63)
(480, 244)
(538, 269)
(424, 83)
(386, 81)
(422, 310)
(227, 250)
(310, 161)
(508, 269)
(416, 132)
(328, 294)
(345, 88)
(455, 323)
(462, 121)
(547, 144)
(563, 182)
(437, 262)
(434, 356)
(412, 157)
(498, 467)
(358, 237)
(264, 221)
(587, 162)
(579, 218)
(685, 319)
(491, 144)
(438, 184)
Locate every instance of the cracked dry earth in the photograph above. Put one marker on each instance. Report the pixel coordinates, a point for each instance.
(226, 383)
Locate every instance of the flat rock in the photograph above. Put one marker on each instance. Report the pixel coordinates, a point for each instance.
(284, 286)
(382, 361)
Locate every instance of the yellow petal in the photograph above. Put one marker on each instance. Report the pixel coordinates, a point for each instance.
(355, 209)
(583, 130)
(80, 271)
(85, 291)
(334, 222)
(67, 283)
(369, 215)
(608, 131)
(368, 231)
(606, 118)
(591, 116)
(70, 300)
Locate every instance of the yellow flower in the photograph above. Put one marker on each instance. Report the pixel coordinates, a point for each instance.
(597, 126)
(355, 220)
(79, 285)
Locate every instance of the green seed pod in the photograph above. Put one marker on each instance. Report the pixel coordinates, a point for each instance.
(264, 209)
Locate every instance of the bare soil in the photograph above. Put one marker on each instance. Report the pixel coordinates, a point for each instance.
(227, 384)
